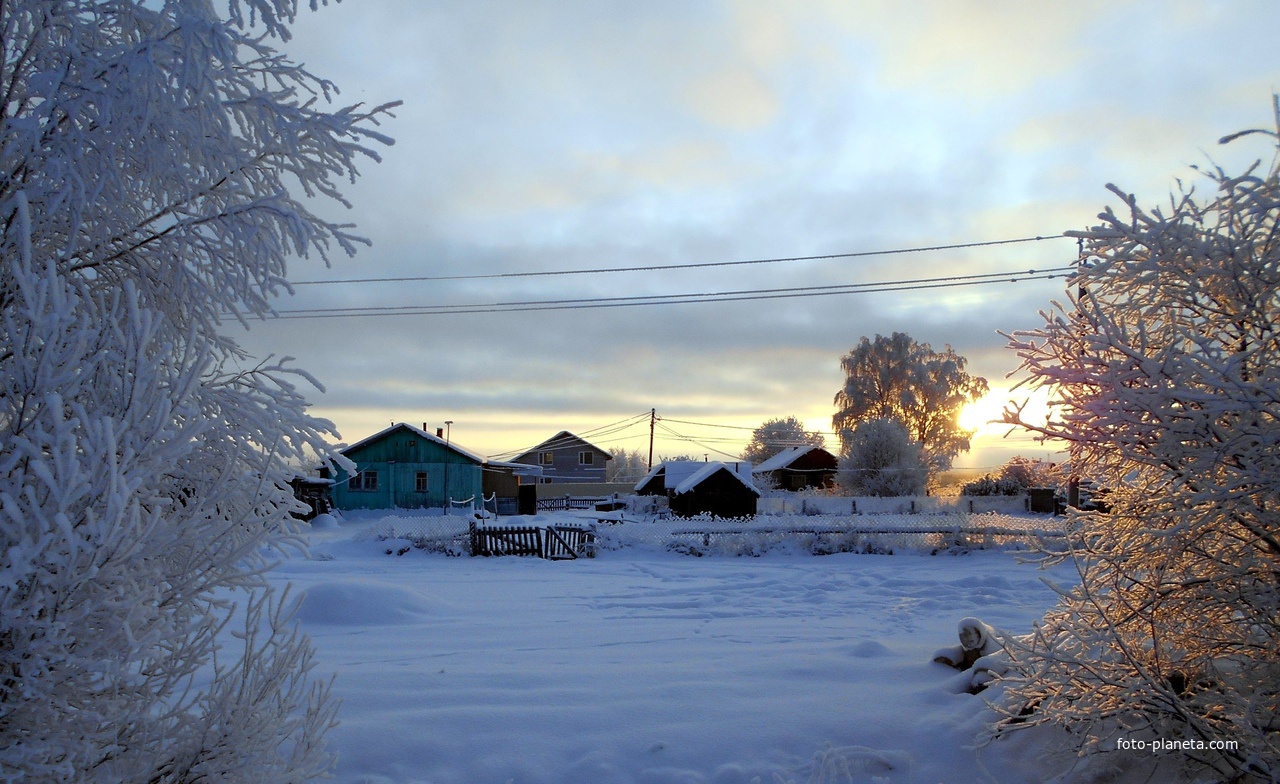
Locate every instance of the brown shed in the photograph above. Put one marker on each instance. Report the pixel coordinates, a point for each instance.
(798, 468)
(716, 489)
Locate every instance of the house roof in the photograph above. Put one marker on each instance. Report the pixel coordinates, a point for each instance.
(562, 440)
(684, 475)
(416, 431)
(710, 469)
(784, 458)
(518, 469)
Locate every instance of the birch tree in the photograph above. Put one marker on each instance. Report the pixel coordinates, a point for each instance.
(152, 160)
(1165, 365)
(897, 378)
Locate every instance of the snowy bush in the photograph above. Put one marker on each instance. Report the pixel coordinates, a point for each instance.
(143, 457)
(1015, 478)
(1167, 368)
(880, 459)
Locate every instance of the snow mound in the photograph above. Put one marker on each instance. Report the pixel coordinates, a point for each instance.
(324, 522)
(869, 649)
(364, 604)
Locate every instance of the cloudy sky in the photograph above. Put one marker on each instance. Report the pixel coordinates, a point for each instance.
(589, 135)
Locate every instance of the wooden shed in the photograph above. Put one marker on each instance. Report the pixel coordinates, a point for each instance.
(798, 468)
(315, 493)
(405, 467)
(692, 488)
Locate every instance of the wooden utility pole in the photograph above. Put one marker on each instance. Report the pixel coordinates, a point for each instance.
(653, 417)
(1073, 479)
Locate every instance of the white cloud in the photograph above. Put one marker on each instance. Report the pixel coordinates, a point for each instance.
(559, 135)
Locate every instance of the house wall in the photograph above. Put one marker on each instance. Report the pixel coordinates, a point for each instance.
(587, 489)
(720, 495)
(500, 483)
(816, 468)
(398, 458)
(565, 466)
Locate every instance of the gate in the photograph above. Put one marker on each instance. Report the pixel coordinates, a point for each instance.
(555, 542)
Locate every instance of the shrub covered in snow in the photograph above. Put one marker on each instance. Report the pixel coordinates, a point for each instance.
(144, 459)
(1167, 366)
(881, 459)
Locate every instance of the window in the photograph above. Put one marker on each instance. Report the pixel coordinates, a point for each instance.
(420, 482)
(363, 480)
(547, 458)
(586, 458)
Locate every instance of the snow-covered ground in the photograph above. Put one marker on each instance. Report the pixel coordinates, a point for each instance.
(648, 666)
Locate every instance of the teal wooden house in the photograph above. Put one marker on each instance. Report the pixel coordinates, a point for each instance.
(404, 467)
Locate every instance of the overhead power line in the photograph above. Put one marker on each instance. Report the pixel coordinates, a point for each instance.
(595, 434)
(696, 265)
(681, 299)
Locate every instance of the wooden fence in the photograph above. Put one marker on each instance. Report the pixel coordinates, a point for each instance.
(554, 542)
(565, 502)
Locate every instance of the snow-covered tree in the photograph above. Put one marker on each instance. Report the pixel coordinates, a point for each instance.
(1015, 477)
(627, 465)
(147, 151)
(775, 435)
(1166, 369)
(881, 459)
(925, 390)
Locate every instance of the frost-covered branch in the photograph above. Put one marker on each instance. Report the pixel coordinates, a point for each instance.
(147, 156)
(1165, 372)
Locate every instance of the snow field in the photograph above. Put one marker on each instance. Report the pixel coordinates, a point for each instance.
(645, 666)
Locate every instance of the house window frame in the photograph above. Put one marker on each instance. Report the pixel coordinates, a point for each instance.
(546, 458)
(421, 482)
(586, 458)
(365, 481)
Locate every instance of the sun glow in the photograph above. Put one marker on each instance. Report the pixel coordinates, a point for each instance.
(983, 414)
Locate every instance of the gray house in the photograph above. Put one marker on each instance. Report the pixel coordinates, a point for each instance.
(566, 458)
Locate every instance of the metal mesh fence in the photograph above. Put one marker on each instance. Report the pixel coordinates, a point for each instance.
(824, 534)
(818, 534)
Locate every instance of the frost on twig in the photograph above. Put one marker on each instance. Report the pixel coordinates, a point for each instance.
(146, 151)
(1165, 368)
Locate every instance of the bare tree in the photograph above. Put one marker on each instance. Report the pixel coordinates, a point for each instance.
(1166, 365)
(146, 154)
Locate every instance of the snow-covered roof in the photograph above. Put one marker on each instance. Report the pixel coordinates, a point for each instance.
(706, 470)
(783, 459)
(684, 475)
(417, 431)
(519, 469)
(563, 440)
(644, 480)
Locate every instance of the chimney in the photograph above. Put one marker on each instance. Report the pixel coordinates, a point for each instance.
(439, 432)
(425, 428)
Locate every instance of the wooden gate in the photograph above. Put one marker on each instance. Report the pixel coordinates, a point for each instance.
(555, 542)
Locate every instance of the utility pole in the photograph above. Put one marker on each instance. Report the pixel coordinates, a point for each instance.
(448, 499)
(1073, 480)
(653, 417)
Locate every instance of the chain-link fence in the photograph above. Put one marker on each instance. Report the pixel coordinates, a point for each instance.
(824, 534)
(818, 534)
